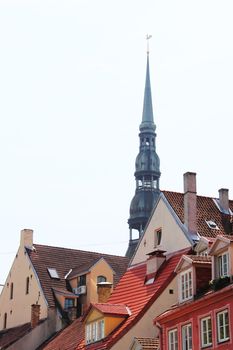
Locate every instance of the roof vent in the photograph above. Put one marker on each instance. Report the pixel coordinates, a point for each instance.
(212, 224)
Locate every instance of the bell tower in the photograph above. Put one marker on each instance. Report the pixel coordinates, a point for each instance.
(147, 171)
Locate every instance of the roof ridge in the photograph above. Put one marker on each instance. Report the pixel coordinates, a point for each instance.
(80, 250)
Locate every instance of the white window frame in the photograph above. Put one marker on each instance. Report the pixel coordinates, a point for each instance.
(223, 264)
(186, 285)
(94, 331)
(173, 339)
(225, 326)
(187, 337)
(206, 331)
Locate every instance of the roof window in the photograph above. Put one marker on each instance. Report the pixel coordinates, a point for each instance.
(53, 272)
(212, 224)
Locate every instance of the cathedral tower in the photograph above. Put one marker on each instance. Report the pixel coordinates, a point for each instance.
(147, 171)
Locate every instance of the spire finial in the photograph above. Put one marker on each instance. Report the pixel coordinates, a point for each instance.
(148, 37)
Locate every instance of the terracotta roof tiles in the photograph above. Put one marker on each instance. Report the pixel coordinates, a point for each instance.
(132, 291)
(206, 210)
(64, 259)
(11, 335)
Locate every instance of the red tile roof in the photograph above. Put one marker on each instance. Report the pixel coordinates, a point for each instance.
(206, 210)
(148, 343)
(64, 259)
(132, 292)
(11, 335)
(116, 309)
(66, 339)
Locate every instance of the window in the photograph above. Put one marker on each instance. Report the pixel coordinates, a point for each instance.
(27, 285)
(82, 280)
(94, 331)
(223, 265)
(223, 326)
(173, 340)
(158, 237)
(206, 332)
(5, 321)
(53, 273)
(186, 285)
(101, 279)
(187, 337)
(11, 291)
(69, 302)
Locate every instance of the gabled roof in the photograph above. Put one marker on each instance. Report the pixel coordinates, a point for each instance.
(132, 291)
(220, 242)
(148, 343)
(187, 260)
(85, 268)
(206, 210)
(11, 335)
(112, 309)
(64, 259)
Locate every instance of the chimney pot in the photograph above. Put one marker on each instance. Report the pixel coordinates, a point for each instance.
(190, 201)
(104, 290)
(26, 238)
(224, 198)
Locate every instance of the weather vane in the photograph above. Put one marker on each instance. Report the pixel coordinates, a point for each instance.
(148, 37)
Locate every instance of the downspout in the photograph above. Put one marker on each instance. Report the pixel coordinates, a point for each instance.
(157, 324)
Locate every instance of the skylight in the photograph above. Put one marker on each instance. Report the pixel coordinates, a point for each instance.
(212, 225)
(53, 272)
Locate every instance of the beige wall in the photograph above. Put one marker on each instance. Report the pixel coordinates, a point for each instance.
(145, 327)
(173, 238)
(18, 309)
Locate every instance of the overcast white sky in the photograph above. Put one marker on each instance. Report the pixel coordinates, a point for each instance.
(72, 79)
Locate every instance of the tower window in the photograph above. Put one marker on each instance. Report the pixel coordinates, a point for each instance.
(147, 142)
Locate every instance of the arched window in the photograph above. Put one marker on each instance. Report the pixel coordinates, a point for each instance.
(27, 285)
(5, 320)
(11, 290)
(101, 279)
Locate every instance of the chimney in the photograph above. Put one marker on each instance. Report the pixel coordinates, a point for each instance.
(190, 201)
(26, 238)
(155, 260)
(35, 315)
(104, 290)
(224, 199)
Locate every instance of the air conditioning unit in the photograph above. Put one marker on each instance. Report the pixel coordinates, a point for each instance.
(80, 290)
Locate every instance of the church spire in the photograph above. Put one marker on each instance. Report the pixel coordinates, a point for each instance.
(147, 170)
(147, 115)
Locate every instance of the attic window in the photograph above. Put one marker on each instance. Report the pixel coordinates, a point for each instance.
(53, 273)
(150, 281)
(212, 225)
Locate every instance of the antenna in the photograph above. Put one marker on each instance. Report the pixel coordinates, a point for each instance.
(148, 37)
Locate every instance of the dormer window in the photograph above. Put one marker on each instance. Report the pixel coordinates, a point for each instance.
(186, 285)
(101, 279)
(223, 265)
(94, 331)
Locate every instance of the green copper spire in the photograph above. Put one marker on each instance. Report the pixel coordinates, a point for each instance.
(147, 123)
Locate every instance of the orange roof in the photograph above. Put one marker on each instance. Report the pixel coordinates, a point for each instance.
(132, 291)
(116, 309)
(206, 210)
